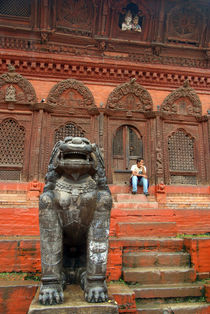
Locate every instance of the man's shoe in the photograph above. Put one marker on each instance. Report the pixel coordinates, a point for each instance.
(147, 194)
(133, 192)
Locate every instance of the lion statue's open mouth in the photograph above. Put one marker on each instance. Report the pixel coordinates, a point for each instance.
(74, 215)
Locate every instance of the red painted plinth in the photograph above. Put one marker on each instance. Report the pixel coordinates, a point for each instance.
(16, 297)
(199, 249)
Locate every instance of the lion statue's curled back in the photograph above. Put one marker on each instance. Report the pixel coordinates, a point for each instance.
(74, 213)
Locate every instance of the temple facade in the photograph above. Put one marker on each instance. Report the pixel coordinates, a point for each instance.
(132, 76)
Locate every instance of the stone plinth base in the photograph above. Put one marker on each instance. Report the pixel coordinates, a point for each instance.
(74, 302)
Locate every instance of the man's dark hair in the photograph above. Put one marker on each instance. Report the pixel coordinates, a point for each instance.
(139, 159)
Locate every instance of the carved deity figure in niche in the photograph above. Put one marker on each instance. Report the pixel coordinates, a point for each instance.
(135, 26)
(74, 212)
(10, 93)
(130, 18)
(127, 24)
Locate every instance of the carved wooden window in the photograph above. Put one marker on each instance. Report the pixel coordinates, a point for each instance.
(69, 129)
(12, 139)
(127, 146)
(15, 7)
(181, 152)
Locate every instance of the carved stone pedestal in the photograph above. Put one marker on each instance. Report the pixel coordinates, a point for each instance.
(74, 302)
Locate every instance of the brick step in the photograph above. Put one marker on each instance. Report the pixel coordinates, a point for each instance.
(20, 254)
(175, 308)
(182, 290)
(124, 296)
(125, 197)
(136, 205)
(16, 296)
(12, 196)
(143, 214)
(143, 244)
(187, 206)
(148, 259)
(19, 221)
(146, 229)
(188, 199)
(159, 275)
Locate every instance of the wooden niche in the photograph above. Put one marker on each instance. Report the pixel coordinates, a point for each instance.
(183, 137)
(17, 103)
(73, 113)
(127, 129)
(130, 19)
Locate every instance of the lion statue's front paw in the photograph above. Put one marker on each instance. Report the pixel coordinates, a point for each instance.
(96, 294)
(52, 294)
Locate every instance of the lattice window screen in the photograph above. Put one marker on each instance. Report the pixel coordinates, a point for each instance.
(118, 143)
(69, 129)
(12, 139)
(135, 144)
(181, 152)
(15, 7)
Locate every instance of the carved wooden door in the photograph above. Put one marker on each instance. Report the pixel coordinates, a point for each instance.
(127, 147)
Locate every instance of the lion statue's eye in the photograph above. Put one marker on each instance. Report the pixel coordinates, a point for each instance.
(85, 140)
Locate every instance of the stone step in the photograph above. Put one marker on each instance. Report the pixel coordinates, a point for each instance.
(188, 206)
(182, 290)
(145, 229)
(135, 205)
(74, 302)
(124, 296)
(20, 254)
(144, 244)
(175, 308)
(125, 197)
(159, 275)
(148, 259)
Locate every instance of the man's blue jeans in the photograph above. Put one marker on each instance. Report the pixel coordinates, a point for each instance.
(139, 181)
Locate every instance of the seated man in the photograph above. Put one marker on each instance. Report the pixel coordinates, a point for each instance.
(139, 176)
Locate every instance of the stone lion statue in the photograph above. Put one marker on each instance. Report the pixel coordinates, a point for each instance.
(74, 214)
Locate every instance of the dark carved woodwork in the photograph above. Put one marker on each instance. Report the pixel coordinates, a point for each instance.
(78, 17)
(70, 95)
(70, 110)
(15, 89)
(159, 152)
(181, 152)
(183, 101)
(74, 213)
(12, 137)
(185, 24)
(130, 97)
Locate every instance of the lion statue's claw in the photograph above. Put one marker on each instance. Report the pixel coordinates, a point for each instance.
(96, 295)
(51, 295)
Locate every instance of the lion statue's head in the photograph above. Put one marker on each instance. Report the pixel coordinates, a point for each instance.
(75, 157)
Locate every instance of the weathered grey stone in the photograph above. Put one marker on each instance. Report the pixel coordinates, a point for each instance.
(74, 213)
(74, 303)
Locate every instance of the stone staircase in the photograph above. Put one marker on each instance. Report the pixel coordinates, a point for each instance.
(156, 268)
(154, 265)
